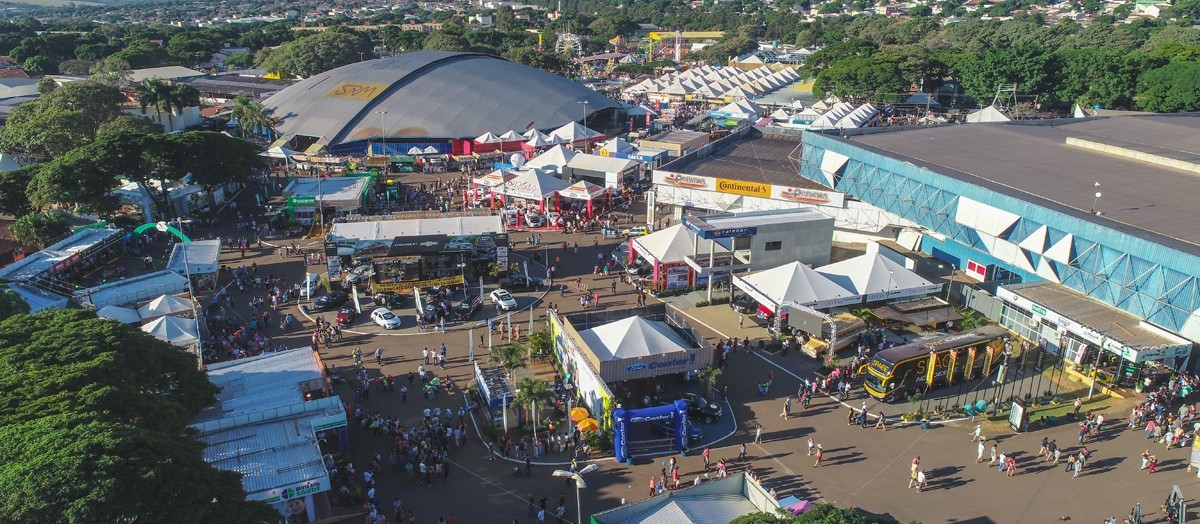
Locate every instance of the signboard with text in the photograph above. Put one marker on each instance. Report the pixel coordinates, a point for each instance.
(383, 287)
(754, 189)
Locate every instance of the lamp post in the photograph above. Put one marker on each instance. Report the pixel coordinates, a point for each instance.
(383, 135)
(1096, 199)
(579, 484)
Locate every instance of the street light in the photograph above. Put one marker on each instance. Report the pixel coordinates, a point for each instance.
(382, 134)
(1097, 198)
(579, 483)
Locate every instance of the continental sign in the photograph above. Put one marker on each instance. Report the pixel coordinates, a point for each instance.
(384, 287)
(356, 91)
(738, 187)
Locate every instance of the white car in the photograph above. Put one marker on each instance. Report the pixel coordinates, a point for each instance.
(533, 219)
(385, 318)
(503, 300)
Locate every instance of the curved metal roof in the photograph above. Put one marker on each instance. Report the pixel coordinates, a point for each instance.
(430, 94)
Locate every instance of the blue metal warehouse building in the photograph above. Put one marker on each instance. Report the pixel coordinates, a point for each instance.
(1022, 198)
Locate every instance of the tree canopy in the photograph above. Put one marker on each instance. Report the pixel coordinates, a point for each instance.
(318, 53)
(40, 229)
(94, 427)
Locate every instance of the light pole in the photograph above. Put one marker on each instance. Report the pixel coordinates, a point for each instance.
(382, 134)
(579, 484)
(1097, 198)
(583, 123)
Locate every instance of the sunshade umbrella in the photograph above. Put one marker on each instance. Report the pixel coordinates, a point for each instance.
(587, 424)
(578, 414)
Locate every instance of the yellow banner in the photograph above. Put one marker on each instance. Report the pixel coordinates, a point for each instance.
(950, 370)
(384, 287)
(356, 91)
(739, 187)
(987, 362)
(932, 369)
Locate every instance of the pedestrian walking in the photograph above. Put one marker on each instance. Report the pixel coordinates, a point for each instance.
(920, 480)
(757, 433)
(820, 456)
(787, 408)
(882, 423)
(742, 452)
(979, 452)
(810, 446)
(705, 454)
(992, 462)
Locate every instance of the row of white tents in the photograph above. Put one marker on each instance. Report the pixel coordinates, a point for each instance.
(831, 113)
(159, 318)
(569, 133)
(868, 278)
(717, 82)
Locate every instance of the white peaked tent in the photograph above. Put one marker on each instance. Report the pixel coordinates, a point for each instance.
(414, 150)
(582, 190)
(875, 277)
(671, 245)
(511, 136)
(531, 184)
(986, 115)
(633, 340)
(616, 145)
(529, 135)
(554, 158)
(164, 305)
(429, 150)
(123, 315)
(572, 132)
(175, 330)
(494, 178)
(279, 152)
(781, 115)
(487, 138)
(539, 141)
(795, 283)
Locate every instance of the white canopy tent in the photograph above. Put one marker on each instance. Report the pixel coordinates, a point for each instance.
(582, 190)
(875, 277)
(494, 178)
(199, 257)
(638, 348)
(487, 138)
(532, 133)
(531, 184)
(279, 152)
(795, 283)
(175, 330)
(986, 115)
(572, 132)
(539, 141)
(164, 305)
(672, 245)
(555, 159)
(123, 315)
(511, 136)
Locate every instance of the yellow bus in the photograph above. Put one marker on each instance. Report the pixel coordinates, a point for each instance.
(896, 373)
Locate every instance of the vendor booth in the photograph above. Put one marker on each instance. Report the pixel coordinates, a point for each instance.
(497, 393)
(610, 172)
(876, 278)
(163, 306)
(636, 348)
(531, 185)
(338, 196)
(587, 193)
(667, 251)
(577, 136)
(554, 159)
(794, 283)
(201, 259)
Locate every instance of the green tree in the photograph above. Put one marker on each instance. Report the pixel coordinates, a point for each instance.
(40, 229)
(535, 392)
(130, 124)
(99, 102)
(446, 41)
(40, 65)
(317, 53)
(191, 48)
(1028, 67)
(141, 55)
(250, 114)
(166, 98)
(11, 303)
(828, 55)
(511, 357)
(212, 159)
(73, 180)
(861, 77)
(530, 56)
(94, 399)
(1171, 88)
(239, 60)
(44, 133)
(1099, 76)
(14, 187)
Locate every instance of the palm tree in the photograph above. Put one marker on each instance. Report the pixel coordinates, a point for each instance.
(708, 375)
(250, 113)
(166, 98)
(534, 392)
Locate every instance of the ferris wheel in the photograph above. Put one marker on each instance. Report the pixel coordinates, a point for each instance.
(568, 43)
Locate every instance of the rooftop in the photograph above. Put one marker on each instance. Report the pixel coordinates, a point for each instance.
(162, 73)
(760, 218)
(1111, 322)
(1147, 167)
(677, 136)
(333, 189)
(261, 383)
(387, 229)
(755, 158)
(716, 500)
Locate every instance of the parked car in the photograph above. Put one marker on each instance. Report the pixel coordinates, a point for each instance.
(636, 231)
(533, 219)
(554, 219)
(639, 267)
(744, 304)
(467, 308)
(346, 315)
(391, 299)
(701, 409)
(511, 217)
(330, 301)
(522, 281)
(503, 300)
(361, 274)
(459, 244)
(666, 429)
(385, 318)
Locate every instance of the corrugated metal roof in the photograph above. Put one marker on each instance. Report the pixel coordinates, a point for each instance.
(261, 383)
(1108, 320)
(601, 164)
(334, 189)
(163, 73)
(430, 94)
(33, 265)
(133, 289)
(386, 229)
(712, 509)
(762, 218)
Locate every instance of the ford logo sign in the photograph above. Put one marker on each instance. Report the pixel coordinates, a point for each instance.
(636, 367)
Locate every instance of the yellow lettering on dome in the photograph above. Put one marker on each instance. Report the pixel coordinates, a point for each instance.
(356, 91)
(739, 187)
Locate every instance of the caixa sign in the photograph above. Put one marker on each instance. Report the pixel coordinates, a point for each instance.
(662, 365)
